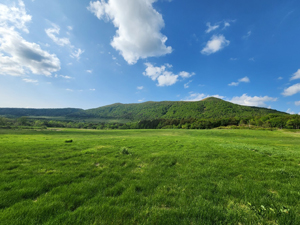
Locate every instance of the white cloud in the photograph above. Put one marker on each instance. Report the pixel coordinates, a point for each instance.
(233, 84)
(76, 54)
(65, 77)
(167, 79)
(70, 27)
(280, 78)
(247, 35)
(52, 32)
(18, 56)
(68, 89)
(211, 28)
(14, 16)
(244, 80)
(187, 85)
(141, 100)
(252, 101)
(30, 81)
(294, 89)
(296, 75)
(138, 27)
(233, 59)
(289, 111)
(92, 89)
(297, 103)
(163, 76)
(140, 87)
(185, 74)
(216, 43)
(226, 24)
(89, 71)
(197, 97)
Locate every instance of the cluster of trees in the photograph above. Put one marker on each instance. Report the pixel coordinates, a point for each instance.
(267, 121)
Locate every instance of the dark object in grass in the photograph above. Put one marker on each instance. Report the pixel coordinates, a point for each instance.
(69, 141)
(125, 151)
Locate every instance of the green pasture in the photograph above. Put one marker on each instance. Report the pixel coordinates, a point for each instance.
(149, 177)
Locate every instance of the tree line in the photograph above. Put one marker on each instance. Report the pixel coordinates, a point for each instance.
(267, 121)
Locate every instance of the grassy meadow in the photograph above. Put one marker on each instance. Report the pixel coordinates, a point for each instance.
(149, 177)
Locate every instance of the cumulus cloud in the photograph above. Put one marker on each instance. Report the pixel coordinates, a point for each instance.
(294, 89)
(53, 32)
(138, 27)
(211, 28)
(296, 75)
(14, 16)
(18, 56)
(244, 80)
(163, 76)
(216, 43)
(200, 96)
(252, 101)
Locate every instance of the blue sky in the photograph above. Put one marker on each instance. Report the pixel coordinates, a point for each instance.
(87, 54)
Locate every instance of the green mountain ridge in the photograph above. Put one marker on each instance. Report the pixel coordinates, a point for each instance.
(205, 109)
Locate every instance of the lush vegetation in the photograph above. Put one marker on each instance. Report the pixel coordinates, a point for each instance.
(149, 177)
(269, 121)
(205, 109)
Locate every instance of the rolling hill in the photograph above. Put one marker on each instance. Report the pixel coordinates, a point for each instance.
(207, 108)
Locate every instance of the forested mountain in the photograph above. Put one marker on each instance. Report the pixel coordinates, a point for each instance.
(205, 109)
(18, 112)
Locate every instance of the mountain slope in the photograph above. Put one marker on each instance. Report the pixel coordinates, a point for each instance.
(207, 108)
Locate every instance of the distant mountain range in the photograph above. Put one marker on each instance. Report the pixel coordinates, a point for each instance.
(207, 108)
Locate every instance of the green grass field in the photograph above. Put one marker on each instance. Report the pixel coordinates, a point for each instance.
(149, 177)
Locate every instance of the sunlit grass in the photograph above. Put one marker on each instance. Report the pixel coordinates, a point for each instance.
(149, 177)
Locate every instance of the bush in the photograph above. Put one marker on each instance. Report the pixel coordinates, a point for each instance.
(125, 151)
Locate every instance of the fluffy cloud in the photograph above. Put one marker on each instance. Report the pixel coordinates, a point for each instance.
(52, 32)
(163, 76)
(252, 101)
(294, 89)
(216, 43)
(197, 97)
(14, 16)
(296, 75)
(244, 80)
(138, 27)
(18, 56)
